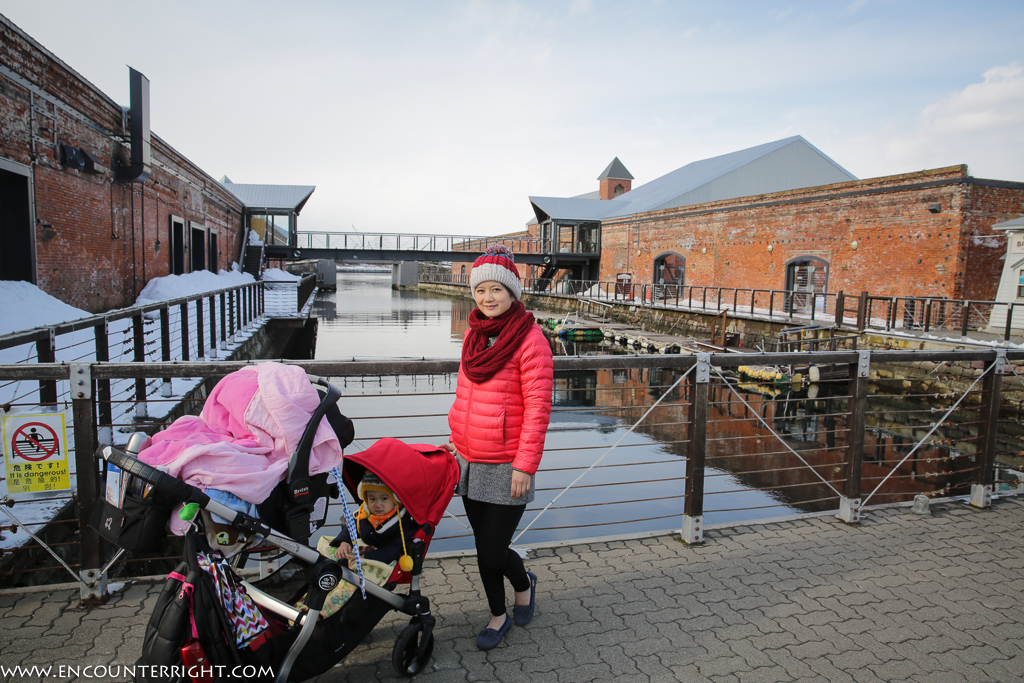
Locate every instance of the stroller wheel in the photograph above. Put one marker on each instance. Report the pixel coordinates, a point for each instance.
(404, 657)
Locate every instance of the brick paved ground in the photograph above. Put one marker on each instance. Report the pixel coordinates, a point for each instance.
(900, 597)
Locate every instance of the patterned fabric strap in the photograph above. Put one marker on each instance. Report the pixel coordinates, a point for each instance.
(353, 534)
(245, 618)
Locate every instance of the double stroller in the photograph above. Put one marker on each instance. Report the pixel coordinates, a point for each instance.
(211, 625)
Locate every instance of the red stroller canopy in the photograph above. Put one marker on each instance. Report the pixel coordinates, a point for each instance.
(423, 476)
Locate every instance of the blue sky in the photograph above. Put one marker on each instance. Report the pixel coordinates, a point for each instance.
(444, 116)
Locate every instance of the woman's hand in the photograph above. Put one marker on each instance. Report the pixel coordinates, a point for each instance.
(520, 483)
(446, 447)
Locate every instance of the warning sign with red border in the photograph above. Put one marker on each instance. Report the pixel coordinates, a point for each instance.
(35, 453)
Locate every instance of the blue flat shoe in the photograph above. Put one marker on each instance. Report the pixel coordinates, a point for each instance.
(524, 613)
(489, 638)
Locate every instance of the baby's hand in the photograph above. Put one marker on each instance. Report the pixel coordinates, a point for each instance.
(344, 551)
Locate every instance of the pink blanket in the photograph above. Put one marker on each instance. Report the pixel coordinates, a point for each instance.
(251, 423)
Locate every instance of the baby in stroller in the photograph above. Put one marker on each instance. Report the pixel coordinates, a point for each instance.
(384, 532)
(379, 526)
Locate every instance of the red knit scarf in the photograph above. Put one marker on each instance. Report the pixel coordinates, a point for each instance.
(480, 362)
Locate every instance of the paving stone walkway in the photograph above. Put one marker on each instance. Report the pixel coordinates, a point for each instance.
(899, 597)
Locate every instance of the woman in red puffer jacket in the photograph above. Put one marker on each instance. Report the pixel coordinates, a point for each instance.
(498, 422)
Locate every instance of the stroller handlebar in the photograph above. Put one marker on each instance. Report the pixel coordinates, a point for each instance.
(175, 489)
(163, 483)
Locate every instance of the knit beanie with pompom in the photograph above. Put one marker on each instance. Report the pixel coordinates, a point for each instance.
(499, 265)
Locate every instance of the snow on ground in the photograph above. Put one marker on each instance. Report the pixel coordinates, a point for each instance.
(23, 306)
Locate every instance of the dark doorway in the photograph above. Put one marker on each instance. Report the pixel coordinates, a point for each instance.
(624, 286)
(669, 275)
(805, 277)
(16, 262)
(197, 249)
(177, 246)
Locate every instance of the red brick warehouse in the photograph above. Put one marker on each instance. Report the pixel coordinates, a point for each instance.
(785, 216)
(92, 205)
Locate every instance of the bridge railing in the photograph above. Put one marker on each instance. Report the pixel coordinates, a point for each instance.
(863, 312)
(715, 437)
(196, 327)
(383, 241)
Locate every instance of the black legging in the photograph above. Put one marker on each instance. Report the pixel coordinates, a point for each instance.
(493, 526)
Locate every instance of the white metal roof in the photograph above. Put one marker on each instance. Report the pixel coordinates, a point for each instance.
(1014, 224)
(786, 164)
(272, 197)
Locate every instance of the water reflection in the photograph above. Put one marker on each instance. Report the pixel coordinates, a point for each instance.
(365, 318)
(772, 450)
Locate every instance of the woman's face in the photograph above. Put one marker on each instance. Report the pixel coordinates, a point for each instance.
(492, 298)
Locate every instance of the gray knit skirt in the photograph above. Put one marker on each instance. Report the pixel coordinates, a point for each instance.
(489, 482)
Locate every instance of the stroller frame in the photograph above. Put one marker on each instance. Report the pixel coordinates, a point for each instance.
(410, 653)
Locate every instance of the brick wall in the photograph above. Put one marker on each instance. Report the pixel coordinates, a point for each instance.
(985, 204)
(608, 185)
(97, 240)
(877, 235)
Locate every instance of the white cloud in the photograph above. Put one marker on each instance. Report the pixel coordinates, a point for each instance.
(981, 125)
(994, 105)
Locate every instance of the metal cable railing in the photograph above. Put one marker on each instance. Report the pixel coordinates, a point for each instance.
(751, 450)
(917, 315)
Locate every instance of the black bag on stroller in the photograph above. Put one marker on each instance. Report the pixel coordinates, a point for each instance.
(187, 635)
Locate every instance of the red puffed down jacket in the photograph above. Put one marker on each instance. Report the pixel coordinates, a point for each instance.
(506, 418)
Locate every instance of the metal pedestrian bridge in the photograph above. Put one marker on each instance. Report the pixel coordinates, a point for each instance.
(361, 246)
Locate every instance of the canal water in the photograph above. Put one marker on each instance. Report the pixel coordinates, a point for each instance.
(637, 485)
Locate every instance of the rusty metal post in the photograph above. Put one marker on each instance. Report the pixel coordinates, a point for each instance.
(223, 321)
(840, 312)
(696, 451)
(165, 348)
(862, 311)
(857, 408)
(231, 314)
(183, 312)
(83, 405)
(104, 412)
(46, 352)
(200, 331)
(981, 489)
(213, 327)
(139, 356)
